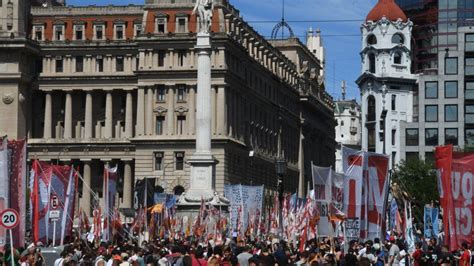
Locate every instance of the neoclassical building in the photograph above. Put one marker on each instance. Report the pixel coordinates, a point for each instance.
(91, 85)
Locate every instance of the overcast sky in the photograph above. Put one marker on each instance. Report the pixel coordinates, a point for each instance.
(341, 39)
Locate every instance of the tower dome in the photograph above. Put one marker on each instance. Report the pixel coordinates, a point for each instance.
(388, 9)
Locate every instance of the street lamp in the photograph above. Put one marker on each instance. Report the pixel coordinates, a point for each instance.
(383, 117)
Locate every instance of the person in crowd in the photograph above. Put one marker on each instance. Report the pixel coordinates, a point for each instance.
(393, 253)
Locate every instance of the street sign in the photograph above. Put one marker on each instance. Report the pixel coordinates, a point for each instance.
(53, 202)
(54, 214)
(10, 218)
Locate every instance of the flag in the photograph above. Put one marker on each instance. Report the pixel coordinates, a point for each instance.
(144, 193)
(4, 184)
(69, 206)
(110, 190)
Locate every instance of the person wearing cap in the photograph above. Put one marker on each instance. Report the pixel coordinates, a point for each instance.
(393, 253)
(100, 260)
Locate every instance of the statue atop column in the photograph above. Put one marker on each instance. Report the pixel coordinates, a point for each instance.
(204, 9)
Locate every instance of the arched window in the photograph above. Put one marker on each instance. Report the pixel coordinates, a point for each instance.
(371, 39)
(371, 108)
(178, 190)
(397, 58)
(371, 63)
(397, 38)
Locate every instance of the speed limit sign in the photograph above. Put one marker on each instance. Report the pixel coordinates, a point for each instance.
(10, 218)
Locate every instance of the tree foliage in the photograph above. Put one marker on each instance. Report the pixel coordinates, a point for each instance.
(417, 180)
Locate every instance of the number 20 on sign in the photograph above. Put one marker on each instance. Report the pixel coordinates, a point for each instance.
(9, 218)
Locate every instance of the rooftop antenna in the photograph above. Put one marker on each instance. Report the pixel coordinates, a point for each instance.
(280, 26)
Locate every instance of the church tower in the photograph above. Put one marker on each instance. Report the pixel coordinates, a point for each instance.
(17, 68)
(386, 82)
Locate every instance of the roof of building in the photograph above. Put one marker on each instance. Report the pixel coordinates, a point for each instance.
(345, 104)
(388, 9)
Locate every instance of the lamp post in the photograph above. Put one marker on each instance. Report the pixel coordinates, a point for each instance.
(280, 169)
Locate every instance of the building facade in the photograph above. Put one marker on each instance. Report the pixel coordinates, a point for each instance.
(444, 107)
(117, 85)
(386, 81)
(348, 128)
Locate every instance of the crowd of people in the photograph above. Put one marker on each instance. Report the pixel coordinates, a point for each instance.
(268, 252)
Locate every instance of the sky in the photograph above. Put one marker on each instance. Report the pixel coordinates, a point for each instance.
(341, 39)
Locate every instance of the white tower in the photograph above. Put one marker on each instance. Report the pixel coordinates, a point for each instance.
(314, 42)
(386, 82)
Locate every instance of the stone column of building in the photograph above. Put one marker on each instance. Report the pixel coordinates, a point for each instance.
(170, 113)
(221, 114)
(48, 116)
(149, 112)
(86, 186)
(68, 116)
(88, 116)
(108, 115)
(129, 115)
(140, 112)
(192, 110)
(127, 185)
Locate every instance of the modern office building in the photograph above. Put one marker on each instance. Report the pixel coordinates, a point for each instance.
(91, 85)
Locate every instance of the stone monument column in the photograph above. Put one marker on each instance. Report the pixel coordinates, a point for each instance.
(202, 180)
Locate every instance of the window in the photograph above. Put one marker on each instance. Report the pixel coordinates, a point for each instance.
(451, 89)
(451, 113)
(469, 114)
(371, 108)
(161, 25)
(138, 29)
(431, 137)
(371, 39)
(431, 90)
(397, 58)
(59, 64)
(181, 57)
(79, 63)
(410, 156)
(371, 63)
(38, 33)
(179, 160)
(469, 137)
(181, 25)
(431, 113)
(158, 161)
(451, 65)
(119, 64)
(181, 123)
(469, 93)
(161, 94)
(469, 42)
(161, 58)
(58, 32)
(181, 95)
(78, 32)
(469, 67)
(412, 137)
(99, 32)
(119, 32)
(394, 102)
(451, 136)
(394, 136)
(160, 123)
(397, 38)
(99, 64)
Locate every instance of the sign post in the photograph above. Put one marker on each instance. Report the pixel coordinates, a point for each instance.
(10, 220)
(54, 214)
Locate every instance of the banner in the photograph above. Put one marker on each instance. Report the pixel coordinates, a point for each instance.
(249, 199)
(431, 223)
(51, 184)
(455, 184)
(353, 166)
(4, 184)
(365, 192)
(110, 190)
(328, 196)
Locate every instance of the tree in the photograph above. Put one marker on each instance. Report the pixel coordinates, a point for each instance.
(417, 181)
